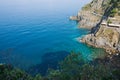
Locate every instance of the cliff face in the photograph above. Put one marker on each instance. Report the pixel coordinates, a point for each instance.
(91, 14)
(107, 30)
(106, 37)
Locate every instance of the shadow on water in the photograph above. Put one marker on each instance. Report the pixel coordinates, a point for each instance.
(49, 60)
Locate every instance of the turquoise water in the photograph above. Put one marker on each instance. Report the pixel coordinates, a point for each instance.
(31, 28)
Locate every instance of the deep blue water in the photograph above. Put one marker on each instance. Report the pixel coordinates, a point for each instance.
(31, 28)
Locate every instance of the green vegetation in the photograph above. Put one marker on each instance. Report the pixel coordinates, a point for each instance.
(109, 21)
(9, 73)
(119, 13)
(73, 67)
(115, 8)
(113, 12)
(87, 7)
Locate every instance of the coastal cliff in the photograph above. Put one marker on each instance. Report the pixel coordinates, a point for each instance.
(91, 14)
(103, 18)
(106, 37)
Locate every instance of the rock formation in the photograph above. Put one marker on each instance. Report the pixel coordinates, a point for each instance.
(106, 37)
(95, 16)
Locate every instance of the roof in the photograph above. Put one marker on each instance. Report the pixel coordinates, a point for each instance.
(114, 25)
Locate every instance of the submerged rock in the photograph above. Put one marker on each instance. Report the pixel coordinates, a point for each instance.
(49, 60)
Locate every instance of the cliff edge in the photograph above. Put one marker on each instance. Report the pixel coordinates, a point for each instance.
(103, 18)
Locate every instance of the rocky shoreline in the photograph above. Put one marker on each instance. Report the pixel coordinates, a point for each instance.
(104, 34)
(106, 38)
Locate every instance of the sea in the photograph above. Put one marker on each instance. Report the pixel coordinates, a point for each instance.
(38, 33)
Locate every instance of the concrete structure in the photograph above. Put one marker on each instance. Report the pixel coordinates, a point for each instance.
(114, 25)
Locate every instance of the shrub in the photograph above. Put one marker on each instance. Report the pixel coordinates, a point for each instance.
(86, 7)
(109, 21)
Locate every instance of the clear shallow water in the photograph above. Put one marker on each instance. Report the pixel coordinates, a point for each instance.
(30, 29)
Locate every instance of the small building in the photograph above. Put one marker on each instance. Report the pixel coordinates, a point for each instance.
(114, 25)
(112, 18)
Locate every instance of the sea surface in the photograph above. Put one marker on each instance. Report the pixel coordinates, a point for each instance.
(37, 31)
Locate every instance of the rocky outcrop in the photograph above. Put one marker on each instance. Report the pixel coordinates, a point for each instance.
(95, 16)
(87, 19)
(91, 14)
(106, 37)
(74, 18)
